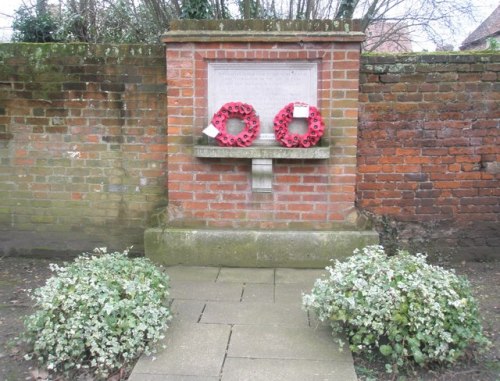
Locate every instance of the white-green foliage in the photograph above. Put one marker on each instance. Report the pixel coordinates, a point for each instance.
(408, 309)
(98, 313)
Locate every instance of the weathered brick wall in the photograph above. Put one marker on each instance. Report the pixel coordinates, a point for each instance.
(83, 150)
(82, 145)
(429, 148)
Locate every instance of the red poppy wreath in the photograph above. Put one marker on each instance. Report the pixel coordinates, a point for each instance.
(315, 127)
(242, 111)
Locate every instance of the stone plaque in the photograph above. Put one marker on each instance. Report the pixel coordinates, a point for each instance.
(267, 86)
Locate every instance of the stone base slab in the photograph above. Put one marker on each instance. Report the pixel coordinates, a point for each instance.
(252, 248)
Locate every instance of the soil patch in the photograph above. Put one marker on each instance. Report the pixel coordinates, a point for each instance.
(17, 275)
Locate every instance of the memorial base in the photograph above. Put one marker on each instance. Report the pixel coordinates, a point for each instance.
(252, 248)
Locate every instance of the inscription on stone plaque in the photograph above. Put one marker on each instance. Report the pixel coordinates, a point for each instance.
(266, 86)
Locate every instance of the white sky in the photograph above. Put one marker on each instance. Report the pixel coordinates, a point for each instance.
(485, 8)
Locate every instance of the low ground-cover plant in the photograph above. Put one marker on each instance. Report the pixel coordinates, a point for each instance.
(409, 310)
(98, 313)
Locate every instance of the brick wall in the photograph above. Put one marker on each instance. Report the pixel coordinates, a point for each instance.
(83, 149)
(82, 145)
(317, 194)
(429, 148)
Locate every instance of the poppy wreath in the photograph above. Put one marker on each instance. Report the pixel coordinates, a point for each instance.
(315, 127)
(242, 111)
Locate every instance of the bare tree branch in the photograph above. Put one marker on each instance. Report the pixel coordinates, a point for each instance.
(86, 20)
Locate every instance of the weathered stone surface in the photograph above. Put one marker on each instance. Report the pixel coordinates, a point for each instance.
(266, 25)
(291, 276)
(246, 275)
(248, 369)
(191, 350)
(169, 377)
(262, 152)
(291, 293)
(297, 31)
(192, 273)
(252, 248)
(190, 290)
(258, 293)
(189, 311)
(287, 343)
(283, 315)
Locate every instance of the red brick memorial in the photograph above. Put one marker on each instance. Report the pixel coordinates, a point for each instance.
(262, 142)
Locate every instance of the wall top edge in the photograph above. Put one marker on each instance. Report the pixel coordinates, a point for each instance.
(260, 37)
(263, 30)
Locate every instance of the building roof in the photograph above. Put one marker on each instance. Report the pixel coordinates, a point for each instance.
(385, 36)
(488, 28)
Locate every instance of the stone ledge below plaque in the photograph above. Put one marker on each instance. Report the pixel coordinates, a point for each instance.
(262, 152)
(262, 159)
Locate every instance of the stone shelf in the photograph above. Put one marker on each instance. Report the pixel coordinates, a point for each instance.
(262, 159)
(262, 152)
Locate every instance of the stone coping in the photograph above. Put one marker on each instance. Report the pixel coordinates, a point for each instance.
(267, 25)
(262, 152)
(264, 31)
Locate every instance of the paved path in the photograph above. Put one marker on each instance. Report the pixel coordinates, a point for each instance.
(237, 324)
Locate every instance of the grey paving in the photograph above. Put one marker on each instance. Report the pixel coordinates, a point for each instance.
(246, 275)
(193, 273)
(307, 276)
(255, 314)
(169, 377)
(191, 350)
(187, 310)
(258, 293)
(291, 293)
(206, 291)
(232, 324)
(248, 369)
(276, 342)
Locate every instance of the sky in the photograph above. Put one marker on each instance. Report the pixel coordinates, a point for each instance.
(485, 8)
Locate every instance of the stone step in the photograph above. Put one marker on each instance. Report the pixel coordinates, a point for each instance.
(253, 248)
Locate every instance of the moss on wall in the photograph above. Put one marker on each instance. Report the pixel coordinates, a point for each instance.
(81, 130)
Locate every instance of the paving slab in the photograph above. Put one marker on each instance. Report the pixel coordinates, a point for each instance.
(187, 310)
(276, 342)
(246, 275)
(206, 291)
(192, 273)
(191, 350)
(258, 293)
(290, 293)
(166, 377)
(247, 369)
(255, 314)
(308, 276)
